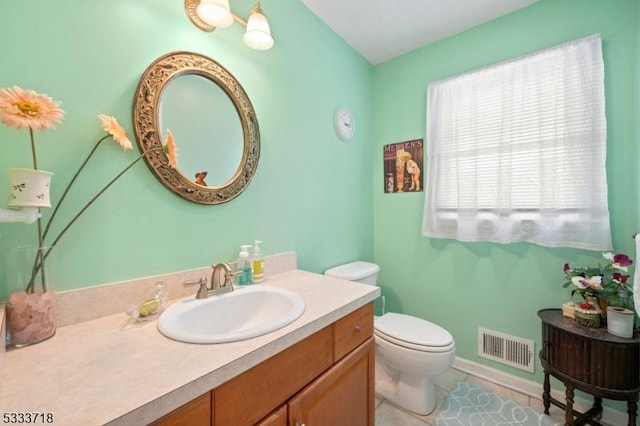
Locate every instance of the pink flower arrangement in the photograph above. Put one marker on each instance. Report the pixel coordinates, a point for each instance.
(605, 280)
(30, 313)
(21, 109)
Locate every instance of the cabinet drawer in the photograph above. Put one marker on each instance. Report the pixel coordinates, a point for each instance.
(249, 397)
(352, 330)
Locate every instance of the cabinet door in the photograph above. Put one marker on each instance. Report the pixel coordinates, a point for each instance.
(194, 413)
(343, 396)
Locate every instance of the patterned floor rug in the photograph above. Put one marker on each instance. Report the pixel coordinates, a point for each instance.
(469, 405)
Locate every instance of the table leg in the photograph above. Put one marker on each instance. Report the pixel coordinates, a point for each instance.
(597, 404)
(632, 410)
(568, 412)
(546, 394)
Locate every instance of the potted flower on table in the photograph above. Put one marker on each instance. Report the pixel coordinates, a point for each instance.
(31, 310)
(599, 286)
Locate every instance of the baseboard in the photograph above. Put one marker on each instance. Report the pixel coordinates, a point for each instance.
(531, 388)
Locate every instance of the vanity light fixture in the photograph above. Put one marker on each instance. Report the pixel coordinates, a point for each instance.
(211, 14)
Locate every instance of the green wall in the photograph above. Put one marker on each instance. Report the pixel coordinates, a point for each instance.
(311, 193)
(463, 286)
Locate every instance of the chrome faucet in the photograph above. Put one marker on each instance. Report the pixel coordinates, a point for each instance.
(221, 281)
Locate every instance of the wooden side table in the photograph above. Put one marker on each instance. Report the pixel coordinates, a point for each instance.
(590, 360)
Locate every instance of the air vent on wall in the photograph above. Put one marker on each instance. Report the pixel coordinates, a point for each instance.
(509, 350)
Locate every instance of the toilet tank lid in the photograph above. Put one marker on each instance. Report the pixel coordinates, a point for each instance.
(353, 271)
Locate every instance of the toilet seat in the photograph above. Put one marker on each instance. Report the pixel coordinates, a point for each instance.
(413, 333)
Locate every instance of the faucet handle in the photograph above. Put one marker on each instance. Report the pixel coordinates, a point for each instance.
(202, 290)
(230, 277)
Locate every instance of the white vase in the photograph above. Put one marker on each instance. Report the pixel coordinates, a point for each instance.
(29, 188)
(620, 321)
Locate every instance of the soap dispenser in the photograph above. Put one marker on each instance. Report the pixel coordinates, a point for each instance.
(257, 262)
(244, 266)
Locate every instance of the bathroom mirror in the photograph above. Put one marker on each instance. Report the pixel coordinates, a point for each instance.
(212, 121)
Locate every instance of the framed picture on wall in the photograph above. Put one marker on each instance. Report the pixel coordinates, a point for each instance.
(403, 166)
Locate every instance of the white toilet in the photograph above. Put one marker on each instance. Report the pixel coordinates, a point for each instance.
(410, 352)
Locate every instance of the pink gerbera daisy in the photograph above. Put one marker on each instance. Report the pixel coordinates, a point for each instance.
(171, 150)
(21, 108)
(110, 125)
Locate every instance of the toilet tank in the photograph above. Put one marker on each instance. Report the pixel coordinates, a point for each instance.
(363, 272)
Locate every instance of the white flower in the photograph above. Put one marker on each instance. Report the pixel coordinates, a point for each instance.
(594, 282)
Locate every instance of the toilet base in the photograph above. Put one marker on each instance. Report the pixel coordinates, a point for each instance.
(415, 394)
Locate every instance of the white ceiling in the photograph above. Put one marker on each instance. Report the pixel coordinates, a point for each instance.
(383, 29)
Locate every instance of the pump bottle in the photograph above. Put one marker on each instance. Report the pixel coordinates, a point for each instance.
(244, 266)
(257, 261)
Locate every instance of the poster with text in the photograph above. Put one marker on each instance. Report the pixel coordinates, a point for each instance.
(403, 166)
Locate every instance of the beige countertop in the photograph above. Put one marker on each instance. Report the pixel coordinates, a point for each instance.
(97, 372)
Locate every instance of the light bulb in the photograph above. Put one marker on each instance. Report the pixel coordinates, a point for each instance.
(215, 13)
(258, 34)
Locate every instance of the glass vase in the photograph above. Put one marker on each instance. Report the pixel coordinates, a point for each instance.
(622, 299)
(31, 307)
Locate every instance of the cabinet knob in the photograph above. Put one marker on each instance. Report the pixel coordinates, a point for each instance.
(300, 424)
(357, 329)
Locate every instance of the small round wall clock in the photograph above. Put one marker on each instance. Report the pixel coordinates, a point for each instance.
(344, 124)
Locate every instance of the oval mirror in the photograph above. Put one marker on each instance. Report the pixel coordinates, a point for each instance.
(212, 121)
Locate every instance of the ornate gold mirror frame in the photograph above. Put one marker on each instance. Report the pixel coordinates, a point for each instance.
(146, 112)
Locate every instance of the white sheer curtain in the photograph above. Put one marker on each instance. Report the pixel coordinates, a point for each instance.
(516, 151)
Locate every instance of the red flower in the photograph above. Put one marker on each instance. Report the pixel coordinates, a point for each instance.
(567, 268)
(622, 279)
(622, 259)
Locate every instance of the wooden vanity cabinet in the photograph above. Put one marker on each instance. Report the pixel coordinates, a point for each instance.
(330, 373)
(327, 378)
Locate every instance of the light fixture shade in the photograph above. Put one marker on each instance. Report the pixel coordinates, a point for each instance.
(215, 13)
(258, 34)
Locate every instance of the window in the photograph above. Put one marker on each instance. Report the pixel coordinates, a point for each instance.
(516, 151)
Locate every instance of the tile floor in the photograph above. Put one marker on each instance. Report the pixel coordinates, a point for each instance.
(387, 414)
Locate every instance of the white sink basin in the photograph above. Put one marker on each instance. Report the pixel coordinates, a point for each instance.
(241, 314)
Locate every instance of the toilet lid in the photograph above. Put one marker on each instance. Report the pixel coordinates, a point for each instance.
(413, 330)
(353, 271)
